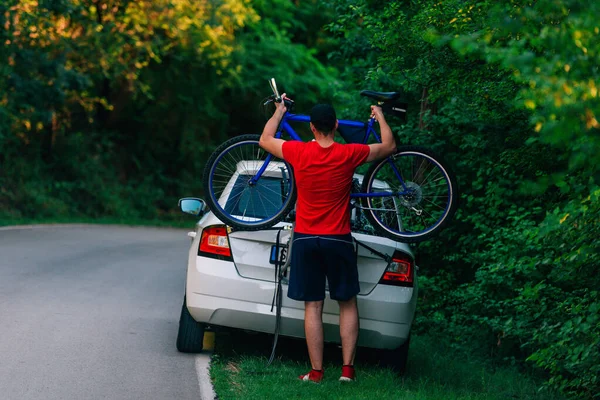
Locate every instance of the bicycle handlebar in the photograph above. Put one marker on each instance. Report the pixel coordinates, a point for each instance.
(274, 89)
(289, 103)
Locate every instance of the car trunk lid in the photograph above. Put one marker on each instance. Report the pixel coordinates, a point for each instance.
(252, 254)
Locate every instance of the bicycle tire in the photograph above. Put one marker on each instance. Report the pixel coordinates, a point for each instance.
(226, 198)
(398, 223)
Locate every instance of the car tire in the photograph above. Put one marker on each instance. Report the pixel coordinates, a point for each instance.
(190, 336)
(397, 359)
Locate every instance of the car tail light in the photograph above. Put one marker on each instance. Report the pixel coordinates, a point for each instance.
(400, 272)
(214, 243)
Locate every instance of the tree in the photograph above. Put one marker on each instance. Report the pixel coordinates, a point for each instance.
(108, 98)
(513, 103)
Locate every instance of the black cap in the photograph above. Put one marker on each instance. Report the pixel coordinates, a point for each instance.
(323, 118)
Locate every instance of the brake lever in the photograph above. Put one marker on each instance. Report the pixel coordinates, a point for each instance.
(289, 103)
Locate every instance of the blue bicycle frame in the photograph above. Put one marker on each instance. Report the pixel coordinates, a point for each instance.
(285, 126)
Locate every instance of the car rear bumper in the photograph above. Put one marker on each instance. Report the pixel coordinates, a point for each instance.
(218, 295)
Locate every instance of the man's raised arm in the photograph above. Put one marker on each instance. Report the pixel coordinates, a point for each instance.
(268, 141)
(387, 147)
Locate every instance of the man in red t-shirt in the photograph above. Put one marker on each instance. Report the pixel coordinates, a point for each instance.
(322, 246)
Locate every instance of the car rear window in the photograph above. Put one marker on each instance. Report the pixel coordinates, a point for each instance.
(266, 195)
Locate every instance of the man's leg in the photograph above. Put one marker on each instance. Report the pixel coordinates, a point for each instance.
(313, 329)
(307, 283)
(348, 329)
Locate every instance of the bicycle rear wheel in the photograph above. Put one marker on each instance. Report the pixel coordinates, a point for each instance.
(424, 200)
(232, 194)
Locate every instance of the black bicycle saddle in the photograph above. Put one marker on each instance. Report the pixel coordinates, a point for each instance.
(381, 96)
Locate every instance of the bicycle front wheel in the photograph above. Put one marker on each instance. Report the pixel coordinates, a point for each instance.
(240, 198)
(419, 195)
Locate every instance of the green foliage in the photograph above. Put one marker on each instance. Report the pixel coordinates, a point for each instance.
(111, 107)
(507, 92)
(552, 49)
(534, 296)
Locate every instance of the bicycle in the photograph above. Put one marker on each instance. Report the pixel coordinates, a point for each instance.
(408, 196)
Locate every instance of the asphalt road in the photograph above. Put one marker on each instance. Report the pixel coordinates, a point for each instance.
(92, 313)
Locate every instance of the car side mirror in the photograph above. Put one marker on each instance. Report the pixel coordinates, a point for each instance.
(193, 205)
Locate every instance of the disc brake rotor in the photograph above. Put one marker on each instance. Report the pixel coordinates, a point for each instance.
(414, 195)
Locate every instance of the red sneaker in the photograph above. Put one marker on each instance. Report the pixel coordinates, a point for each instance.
(348, 374)
(313, 376)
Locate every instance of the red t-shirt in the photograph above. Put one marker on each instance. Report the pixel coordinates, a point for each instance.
(323, 179)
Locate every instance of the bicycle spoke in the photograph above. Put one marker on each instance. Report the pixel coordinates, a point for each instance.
(437, 205)
(246, 208)
(427, 177)
(237, 201)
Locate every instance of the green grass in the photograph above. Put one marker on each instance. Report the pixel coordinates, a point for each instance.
(239, 371)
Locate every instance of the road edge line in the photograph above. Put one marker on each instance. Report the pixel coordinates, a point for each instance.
(202, 363)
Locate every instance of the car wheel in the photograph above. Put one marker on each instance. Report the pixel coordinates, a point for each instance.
(191, 333)
(396, 359)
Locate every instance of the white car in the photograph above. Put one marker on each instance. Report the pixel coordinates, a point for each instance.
(231, 282)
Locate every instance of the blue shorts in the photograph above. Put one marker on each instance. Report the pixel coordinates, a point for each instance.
(315, 258)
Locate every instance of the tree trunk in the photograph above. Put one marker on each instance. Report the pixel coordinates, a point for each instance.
(48, 139)
(425, 107)
(102, 113)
